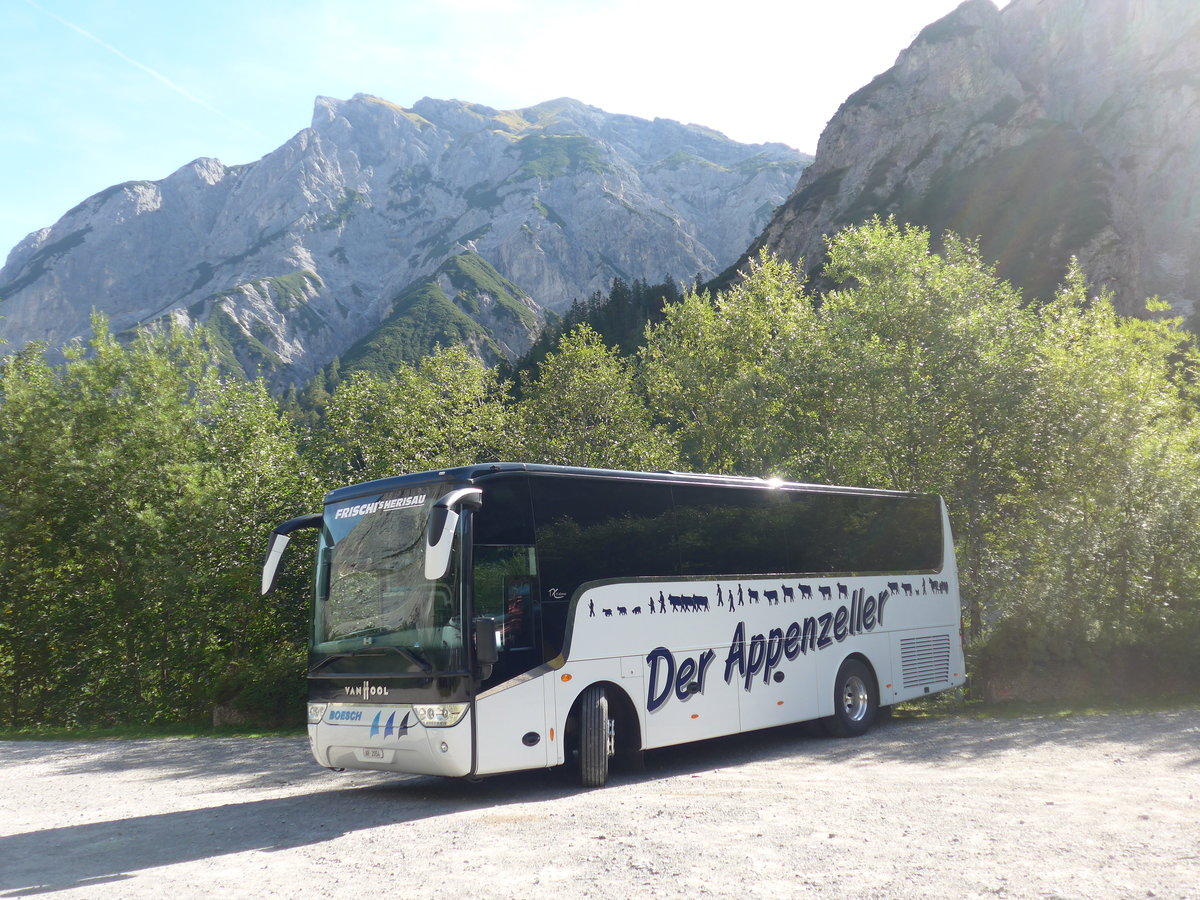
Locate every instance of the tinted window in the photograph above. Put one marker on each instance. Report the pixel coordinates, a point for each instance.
(504, 588)
(731, 531)
(505, 581)
(872, 534)
(505, 517)
(591, 529)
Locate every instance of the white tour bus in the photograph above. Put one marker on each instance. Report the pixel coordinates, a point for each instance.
(513, 616)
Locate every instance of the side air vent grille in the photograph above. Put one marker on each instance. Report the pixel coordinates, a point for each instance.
(925, 660)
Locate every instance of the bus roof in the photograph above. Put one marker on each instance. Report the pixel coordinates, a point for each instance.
(488, 470)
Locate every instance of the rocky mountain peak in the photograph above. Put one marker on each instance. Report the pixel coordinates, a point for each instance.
(446, 221)
(1048, 129)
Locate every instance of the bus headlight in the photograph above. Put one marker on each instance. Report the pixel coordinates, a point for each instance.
(439, 715)
(316, 712)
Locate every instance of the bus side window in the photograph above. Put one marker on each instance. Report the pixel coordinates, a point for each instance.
(729, 531)
(505, 590)
(592, 528)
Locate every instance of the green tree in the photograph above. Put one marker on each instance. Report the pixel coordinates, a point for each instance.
(1101, 567)
(718, 370)
(447, 411)
(910, 375)
(584, 409)
(136, 486)
(928, 364)
(1062, 435)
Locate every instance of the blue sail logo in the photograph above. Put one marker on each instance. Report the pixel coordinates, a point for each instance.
(390, 727)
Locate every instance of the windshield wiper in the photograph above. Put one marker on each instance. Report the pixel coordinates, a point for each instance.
(410, 655)
(419, 661)
(365, 632)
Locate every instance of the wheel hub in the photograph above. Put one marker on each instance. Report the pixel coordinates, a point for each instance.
(855, 699)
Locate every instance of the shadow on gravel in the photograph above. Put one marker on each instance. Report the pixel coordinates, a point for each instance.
(240, 762)
(943, 740)
(81, 855)
(1175, 733)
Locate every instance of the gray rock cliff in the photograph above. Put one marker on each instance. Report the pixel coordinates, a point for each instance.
(1050, 128)
(298, 257)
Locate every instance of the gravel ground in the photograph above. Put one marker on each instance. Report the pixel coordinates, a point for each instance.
(1087, 807)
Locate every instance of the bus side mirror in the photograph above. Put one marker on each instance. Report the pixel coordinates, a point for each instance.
(439, 540)
(487, 647)
(275, 547)
(278, 543)
(439, 535)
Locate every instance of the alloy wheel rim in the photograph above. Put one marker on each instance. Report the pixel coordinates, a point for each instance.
(855, 701)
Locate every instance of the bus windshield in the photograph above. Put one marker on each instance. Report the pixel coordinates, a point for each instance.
(371, 588)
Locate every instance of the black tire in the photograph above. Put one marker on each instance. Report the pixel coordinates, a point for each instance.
(855, 701)
(594, 743)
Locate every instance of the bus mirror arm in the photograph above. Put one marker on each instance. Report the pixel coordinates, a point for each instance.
(278, 543)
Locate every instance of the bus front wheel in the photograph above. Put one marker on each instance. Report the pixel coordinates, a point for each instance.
(855, 701)
(595, 737)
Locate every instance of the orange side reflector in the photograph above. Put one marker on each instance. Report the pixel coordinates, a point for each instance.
(887, 685)
(695, 715)
(551, 734)
(566, 677)
(779, 703)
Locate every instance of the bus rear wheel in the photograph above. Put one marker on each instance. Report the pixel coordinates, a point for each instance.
(855, 701)
(595, 737)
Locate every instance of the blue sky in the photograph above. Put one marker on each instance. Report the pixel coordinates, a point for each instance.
(97, 92)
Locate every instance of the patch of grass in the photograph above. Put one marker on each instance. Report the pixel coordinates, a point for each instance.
(548, 214)
(445, 240)
(290, 291)
(470, 273)
(346, 207)
(548, 156)
(512, 120)
(760, 162)
(957, 704)
(238, 350)
(422, 318)
(681, 158)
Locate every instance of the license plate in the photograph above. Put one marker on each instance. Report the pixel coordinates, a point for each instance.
(372, 753)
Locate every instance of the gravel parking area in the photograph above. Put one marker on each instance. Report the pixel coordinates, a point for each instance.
(1077, 807)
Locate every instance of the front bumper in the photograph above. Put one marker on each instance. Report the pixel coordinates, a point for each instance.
(388, 738)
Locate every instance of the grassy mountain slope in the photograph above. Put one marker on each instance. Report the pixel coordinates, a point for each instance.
(466, 301)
